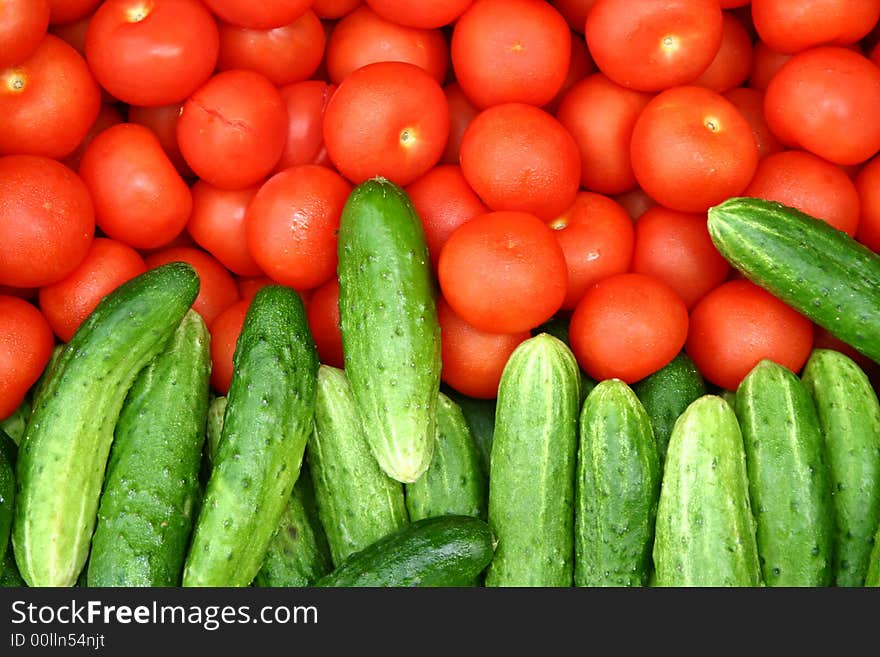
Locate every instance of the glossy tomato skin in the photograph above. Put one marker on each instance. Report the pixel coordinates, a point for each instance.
(733, 62)
(868, 186)
(224, 331)
(425, 14)
(162, 120)
(750, 103)
(68, 11)
(258, 14)
(23, 24)
(26, 343)
(461, 112)
(108, 115)
(306, 103)
(323, 318)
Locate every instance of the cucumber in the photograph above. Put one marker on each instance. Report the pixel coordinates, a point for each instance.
(454, 483)
(705, 531)
(269, 412)
(448, 551)
(849, 415)
(666, 393)
(532, 476)
(480, 417)
(7, 489)
(873, 576)
(388, 321)
(214, 425)
(557, 326)
(40, 386)
(69, 432)
(357, 502)
(789, 480)
(617, 489)
(816, 269)
(15, 424)
(145, 515)
(9, 575)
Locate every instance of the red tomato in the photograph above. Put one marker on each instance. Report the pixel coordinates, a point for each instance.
(506, 51)
(291, 225)
(139, 197)
(386, 119)
(47, 220)
(75, 35)
(733, 61)
(473, 360)
(738, 324)
(750, 103)
(258, 14)
(868, 186)
(574, 11)
(596, 236)
(323, 317)
(224, 331)
(68, 11)
(691, 148)
(627, 326)
(503, 272)
(248, 286)
(635, 202)
(765, 63)
(420, 13)
(518, 157)
(580, 65)
(334, 9)
(461, 112)
(26, 344)
(232, 130)
(163, 122)
(793, 25)
(306, 103)
(48, 102)
(109, 115)
(67, 303)
(23, 24)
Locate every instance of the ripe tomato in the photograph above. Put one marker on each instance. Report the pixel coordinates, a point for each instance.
(224, 331)
(580, 65)
(461, 112)
(139, 197)
(258, 14)
(23, 24)
(503, 272)
(506, 51)
(868, 186)
(323, 318)
(635, 202)
(162, 121)
(26, 344)
(334, 9)
(248, 286)
(68, 302)
(765, 63)
(750, 103)
(738, 324)
(109, 115)
(793, 25)
(574, 11)
(68, 11)
(733, 61)
(627, 326)
(47, 220)
(420, 13)
(306, 103)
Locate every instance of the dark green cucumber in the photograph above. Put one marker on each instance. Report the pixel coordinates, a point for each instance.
(9, 575)
(873, 576)
(666, 393)
(617, 489)
(357, 502)
(454, 483)
(816, 269)
(7, 489)
(532, 476)
(63, 453)
(480, 417)
(440, 551)
(15, 424)
(389, 326)
(789, 480)
(705, 531)
(849, 415)
(269, 412)
(145, 516)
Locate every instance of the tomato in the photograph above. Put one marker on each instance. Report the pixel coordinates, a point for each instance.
(691, 148)
(291, 225)
(386, 119)
(23, 24)
(574, 11)
(733, 61)
(867, 184)
(473, 360)
(248, 286)
(635, 202)
(420, 13)
(580, 65)
(596, 236)
(750, 103)
(68, 11)
(323, 318)
(231, 131)
(154, 52)
(107, 116)
(791, 26)
(827, 100)
(139, 197)
(48, 102)
(807, 182)
(627, 326)
(258, 14)
(503, 272)
(334, 9)
(26, 344)
(506, 51)
(461, 112)
(68, 302)
(675, 247)
(306, 103)
(47, 220)
(224, 331)
(162, 121)
(518, 157)
(651, 46)
(765, 63)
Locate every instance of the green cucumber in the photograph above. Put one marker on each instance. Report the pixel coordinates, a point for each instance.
(388, 321)
(7, 489)
(705, 531)
(269, 412)
(820, 271)
(15, 424)
(873, 576)
(849, 415)
(454, 483)
(145, 515)
(789, 480)
(558, 326)
(480, 417)
(9, 575)
(214, 425)
(532, 476)
(357, 502)
(448, 551)
(69, 433)
(617, 489)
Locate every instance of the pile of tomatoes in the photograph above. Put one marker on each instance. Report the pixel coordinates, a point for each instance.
(561, 155)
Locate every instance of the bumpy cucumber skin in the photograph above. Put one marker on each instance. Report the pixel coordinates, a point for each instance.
(214, 426)
(7, 489)
(269, 413)
(617, 489)
(816, 269)
(789, 480)
(666, 393)
(705, 531)
(65, 446)
(454, 484)
(480, 417)
(389, 326)
(145, 515)
(357, 502)
(532, 476)
(449, 551)
(849, 415)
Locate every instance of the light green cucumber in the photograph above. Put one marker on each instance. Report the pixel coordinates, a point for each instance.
(214, 427)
